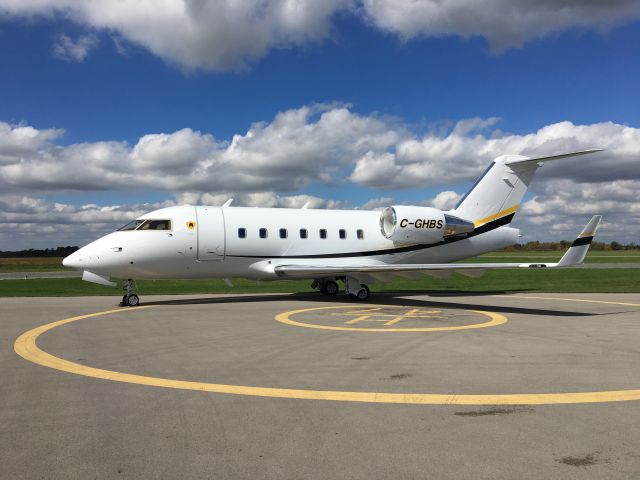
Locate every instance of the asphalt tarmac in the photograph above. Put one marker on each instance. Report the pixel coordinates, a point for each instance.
(300, 386)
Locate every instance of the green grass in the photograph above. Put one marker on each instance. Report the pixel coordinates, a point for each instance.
(596, 256)
(539, 280)
(32, 264)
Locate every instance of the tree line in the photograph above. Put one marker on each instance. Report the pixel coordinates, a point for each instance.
(36, 252)
(564, 244)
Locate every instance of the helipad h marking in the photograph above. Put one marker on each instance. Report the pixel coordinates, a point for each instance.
(366, 314)
(377, 315)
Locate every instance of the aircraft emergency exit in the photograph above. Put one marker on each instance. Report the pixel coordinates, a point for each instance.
(355, 247)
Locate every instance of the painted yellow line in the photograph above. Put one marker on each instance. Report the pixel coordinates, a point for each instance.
(285, 317)
(482, 221)
(26, 346)
(571, 300)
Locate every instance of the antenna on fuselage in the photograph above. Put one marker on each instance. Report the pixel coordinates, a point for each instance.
(227, 203)
(306, 205)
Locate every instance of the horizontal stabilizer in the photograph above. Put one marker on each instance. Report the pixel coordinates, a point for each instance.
(529, 161)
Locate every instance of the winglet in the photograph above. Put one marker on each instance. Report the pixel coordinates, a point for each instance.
(576, 253)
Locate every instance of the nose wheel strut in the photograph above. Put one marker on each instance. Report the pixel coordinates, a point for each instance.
(130, 298)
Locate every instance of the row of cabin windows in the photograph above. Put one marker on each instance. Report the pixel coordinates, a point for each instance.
(304, 233)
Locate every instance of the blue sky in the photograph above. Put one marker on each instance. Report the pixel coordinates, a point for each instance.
(577, 75)
(386, 79)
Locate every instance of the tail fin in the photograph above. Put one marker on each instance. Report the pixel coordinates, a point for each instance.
(496, 195)
(576, 253)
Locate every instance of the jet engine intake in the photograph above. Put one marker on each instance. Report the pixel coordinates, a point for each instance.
(420, 225)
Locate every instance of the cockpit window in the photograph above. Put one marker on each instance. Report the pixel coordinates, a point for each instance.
(155, 225)
(131, 225)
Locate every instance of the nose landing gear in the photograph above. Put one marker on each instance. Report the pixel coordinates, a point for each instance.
(130, 298)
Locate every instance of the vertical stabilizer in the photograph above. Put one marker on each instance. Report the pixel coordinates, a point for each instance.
(497, 194)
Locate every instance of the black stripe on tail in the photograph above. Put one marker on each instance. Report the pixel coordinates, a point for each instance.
(582, 241)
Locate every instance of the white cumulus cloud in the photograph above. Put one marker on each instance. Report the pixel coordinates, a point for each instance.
(311, 144)
(215, 35)
(458, 156)
(70, 50)
(504, 23)
(273, 162)
(231, 34)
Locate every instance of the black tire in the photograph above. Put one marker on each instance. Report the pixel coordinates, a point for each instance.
(133, 300)
(330, 288)
(363, 294)
(123, 303)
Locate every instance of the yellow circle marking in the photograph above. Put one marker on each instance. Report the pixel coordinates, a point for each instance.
(26, 347)
(285, 317)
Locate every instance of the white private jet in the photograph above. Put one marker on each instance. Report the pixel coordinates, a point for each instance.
(327, 246)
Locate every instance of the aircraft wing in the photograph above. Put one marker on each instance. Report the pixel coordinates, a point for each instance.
(574, 256)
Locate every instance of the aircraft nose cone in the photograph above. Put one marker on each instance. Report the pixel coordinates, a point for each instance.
(72, 261)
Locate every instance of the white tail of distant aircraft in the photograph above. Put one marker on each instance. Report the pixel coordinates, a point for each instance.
(353, 246)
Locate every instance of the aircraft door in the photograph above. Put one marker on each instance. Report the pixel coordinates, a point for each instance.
(211, 238)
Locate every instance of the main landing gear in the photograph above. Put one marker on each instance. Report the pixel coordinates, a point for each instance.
(356, 290)
(130, 298)
(362, 294)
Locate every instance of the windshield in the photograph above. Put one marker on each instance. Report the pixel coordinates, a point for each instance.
(131, 225)
(147, 225)
(155, 225)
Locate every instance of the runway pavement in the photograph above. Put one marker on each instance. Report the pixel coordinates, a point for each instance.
(301, 386)
(28, 275)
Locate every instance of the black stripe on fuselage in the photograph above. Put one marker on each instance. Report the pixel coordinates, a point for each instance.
(487, 227)
(582, 241)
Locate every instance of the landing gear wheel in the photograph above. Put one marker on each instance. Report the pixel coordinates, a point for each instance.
(329, 287)
(132, 300)
(362, 295)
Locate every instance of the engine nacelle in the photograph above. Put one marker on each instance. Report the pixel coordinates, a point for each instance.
(422, 225)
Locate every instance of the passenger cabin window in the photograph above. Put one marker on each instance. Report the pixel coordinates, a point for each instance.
(263, 233)
(155, 225)
(360, 234)
(323, 233)
(283, 233)
(242, 233)
(342, 233)
(303, 233)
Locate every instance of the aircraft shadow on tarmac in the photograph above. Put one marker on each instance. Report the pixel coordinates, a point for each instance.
(393, 299)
